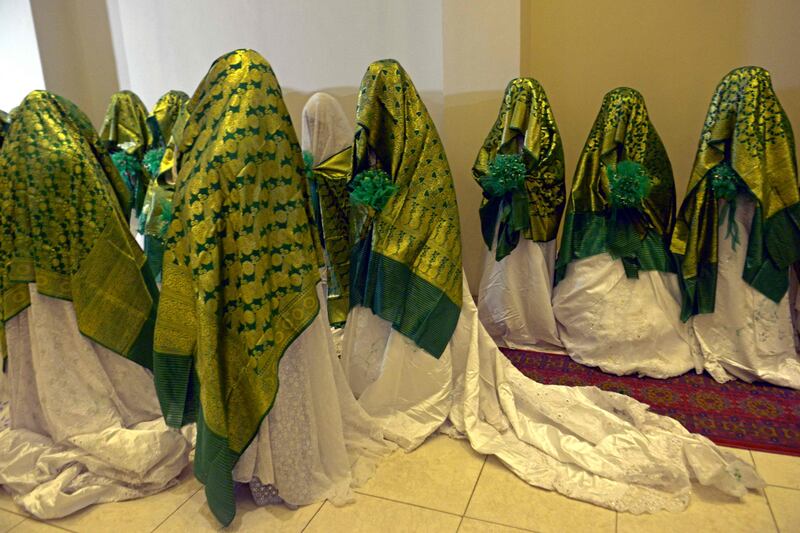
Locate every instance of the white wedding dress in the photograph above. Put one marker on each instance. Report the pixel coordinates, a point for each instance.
(623, 325)
(85, 423)
(326, 132)
(515, 297)
(317, 442)
(596, 446)
(748, 336)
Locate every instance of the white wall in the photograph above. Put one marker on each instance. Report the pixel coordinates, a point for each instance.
(312, 44)
(481, 55)
(460, 56)
(75, 48)
(19, 53)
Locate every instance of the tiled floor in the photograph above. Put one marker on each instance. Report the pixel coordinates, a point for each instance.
(444, 486)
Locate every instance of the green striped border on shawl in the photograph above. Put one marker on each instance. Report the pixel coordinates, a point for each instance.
(586, 235)
(773, 247)
(415, 307)
(178, 389)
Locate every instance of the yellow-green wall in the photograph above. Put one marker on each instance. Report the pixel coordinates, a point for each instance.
(674, 52)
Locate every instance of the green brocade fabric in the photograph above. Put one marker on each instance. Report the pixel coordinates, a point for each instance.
(524, 126)
(406, 259)
(4, 123)
(125, 124)
(240, 267)
(125, 128)
(168, 115)
(63, 228)
(638, 237)
(747, 129)
(164, 115)
(331, 177)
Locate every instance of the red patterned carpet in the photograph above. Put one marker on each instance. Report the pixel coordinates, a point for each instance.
(742, 415)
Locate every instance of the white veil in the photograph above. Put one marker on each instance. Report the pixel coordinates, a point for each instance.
(326, 128)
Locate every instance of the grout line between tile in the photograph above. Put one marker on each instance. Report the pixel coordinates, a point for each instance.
(460, 521)
(22, 519)
(509, 526)
(616, 521)
(314, 516)
(45, 522)
(771, 513)
(475, 486)
(783, 487)
(406, 503)
(184, 502)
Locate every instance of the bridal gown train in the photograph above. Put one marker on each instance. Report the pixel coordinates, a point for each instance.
(85, 424)
(597, 446)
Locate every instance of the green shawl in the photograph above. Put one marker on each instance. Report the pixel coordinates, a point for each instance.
(4, 123)
(125, 124)
(157, 207)
(525, 125)
(164, 115)
(622, 137)
(406, 260)
(330, 178)
(63, 228)
(747, 130)
(125, 130)
(240, 267)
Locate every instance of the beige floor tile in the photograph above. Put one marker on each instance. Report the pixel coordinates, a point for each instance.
(709, 511)
(195, 516)
(7, 504)
(439, 475)
(742, 454)
(142, 515)
(32, 526)
(503, 498)
(783, 470)
(785, 504)
(470, 525)
(370, 515)
(9, 520)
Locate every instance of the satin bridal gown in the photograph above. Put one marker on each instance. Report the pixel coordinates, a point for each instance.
(601, 447)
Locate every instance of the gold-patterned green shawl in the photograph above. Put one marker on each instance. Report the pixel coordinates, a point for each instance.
(4, 123)
(747, 130)
(406, 262)
(125, 124)
(240, 272)
(157, 206)
(525, 125)
(639, 237)
(63, 228)
(164, 115)
(331, 177)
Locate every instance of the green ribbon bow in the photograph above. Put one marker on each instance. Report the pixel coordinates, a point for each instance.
(629, 184)
(726, 184)
(507, 202)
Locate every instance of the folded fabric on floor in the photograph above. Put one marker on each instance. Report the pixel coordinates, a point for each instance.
(754, 416)
(85, 424)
